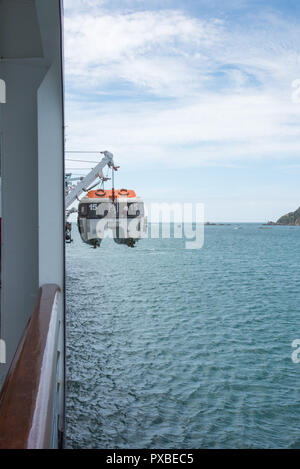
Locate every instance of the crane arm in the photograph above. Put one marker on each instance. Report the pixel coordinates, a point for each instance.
(91, 177)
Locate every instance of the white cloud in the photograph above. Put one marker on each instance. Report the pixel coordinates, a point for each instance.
(230, 87)
(148, 49)
(208, 131)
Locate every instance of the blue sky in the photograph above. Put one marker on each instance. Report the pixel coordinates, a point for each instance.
(197, 99)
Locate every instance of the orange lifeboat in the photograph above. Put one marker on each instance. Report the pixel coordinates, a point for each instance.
(117, 210)
(110, 194)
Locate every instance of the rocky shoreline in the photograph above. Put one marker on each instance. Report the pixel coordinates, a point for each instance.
(290, 219)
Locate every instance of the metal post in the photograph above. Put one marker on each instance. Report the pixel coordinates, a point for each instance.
(113, 184)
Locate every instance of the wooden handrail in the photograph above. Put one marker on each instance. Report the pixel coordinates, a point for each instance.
(27, 398)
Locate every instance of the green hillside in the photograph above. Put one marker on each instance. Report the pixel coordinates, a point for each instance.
(292, 218)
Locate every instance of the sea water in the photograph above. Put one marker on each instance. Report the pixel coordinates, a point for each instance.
(176, 348)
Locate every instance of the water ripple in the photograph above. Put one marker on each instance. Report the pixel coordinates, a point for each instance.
(184, 349)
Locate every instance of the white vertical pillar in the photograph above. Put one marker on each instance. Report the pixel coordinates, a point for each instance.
(50, 179)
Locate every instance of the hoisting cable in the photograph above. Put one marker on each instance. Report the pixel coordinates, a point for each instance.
(81, 161)
(77, 151)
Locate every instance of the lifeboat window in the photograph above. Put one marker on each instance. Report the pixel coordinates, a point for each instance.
(135, 210)
(83, 209)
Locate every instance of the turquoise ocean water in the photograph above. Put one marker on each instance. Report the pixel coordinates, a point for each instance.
(176, 348)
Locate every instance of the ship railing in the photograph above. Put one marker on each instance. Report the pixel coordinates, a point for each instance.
(31, 399)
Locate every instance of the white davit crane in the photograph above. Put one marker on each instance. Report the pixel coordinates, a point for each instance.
(85, 182)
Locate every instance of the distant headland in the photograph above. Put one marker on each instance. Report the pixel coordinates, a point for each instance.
(290, 219)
